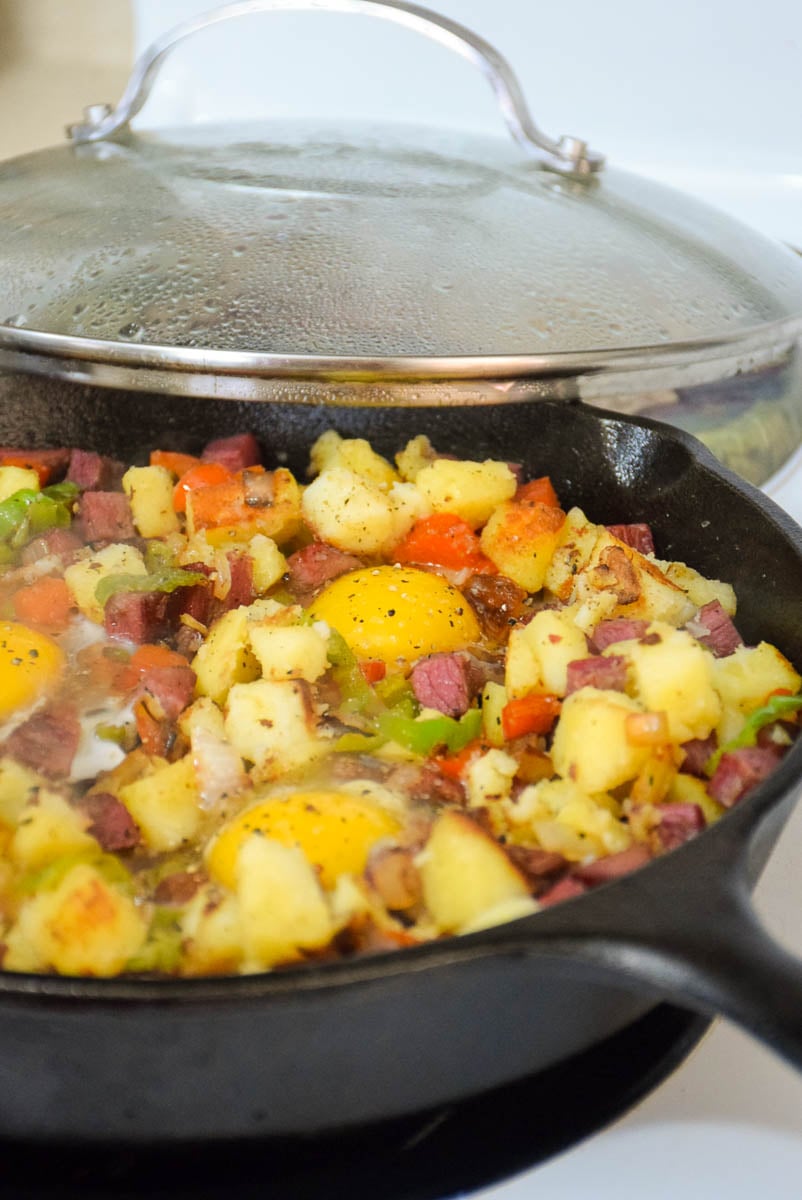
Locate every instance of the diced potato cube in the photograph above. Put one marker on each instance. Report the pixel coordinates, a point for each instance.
(408, 506)
(48, 829)
(225, 658)
(355, 454)
(507, 910)
(352, 513)
(270, 725)
(84, 926)
(165, 805)
(521, 539)
(213, 932)
(83, 577)
(522, 668)
(640, 587)
(198, 549)
(746, 678)
(150, 493)
(591, 746)
(17, 786)
(136, 765)
(674, 675)
(592, 609)
(465, 874)
(290, 651)
(283, 910)
(687, 789)
(489, 778)
(17, 479)
(494, 697)
(416, 455)
(567, 820)
(203, 714)
(700, 590)
(554, 641)
(269, 564)
(472, 490)
(577, 539)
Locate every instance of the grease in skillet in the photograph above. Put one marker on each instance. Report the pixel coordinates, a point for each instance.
(247, 722)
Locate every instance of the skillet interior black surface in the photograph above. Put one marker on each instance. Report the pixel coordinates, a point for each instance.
(300, 1051)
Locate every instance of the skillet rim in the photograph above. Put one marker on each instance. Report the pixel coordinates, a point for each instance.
(739, 823)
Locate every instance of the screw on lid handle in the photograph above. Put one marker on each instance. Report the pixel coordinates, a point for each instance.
(568, 155)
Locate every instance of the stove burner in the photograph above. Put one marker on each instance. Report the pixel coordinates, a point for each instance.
(440, 1153)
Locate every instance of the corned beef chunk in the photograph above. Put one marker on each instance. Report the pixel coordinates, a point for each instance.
(565, 889)
(47, 741)
(178, 888)
(196, 601)
(638, 536)
(713, 628)
(112, 824)
(242, 590)
(739, 771)
(679, 823)
(136, 616)
(426, 783)
(95, 472)
(616, 629)
(55, 461)
(613, 866)
(697, 752)
(59, 542)
(316, 564)
(106, 517)
(234, 453)
(171, 687)
(609, 672)
(441, 682)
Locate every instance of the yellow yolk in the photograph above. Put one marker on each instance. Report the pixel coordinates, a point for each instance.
(30, 666)
(397, 613)
(333, 829)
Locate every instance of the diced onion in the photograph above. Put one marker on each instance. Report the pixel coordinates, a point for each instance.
(647, 729)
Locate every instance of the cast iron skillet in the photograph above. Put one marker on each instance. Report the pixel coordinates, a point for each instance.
(307, 1049)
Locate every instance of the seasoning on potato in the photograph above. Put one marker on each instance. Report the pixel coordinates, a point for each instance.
(249, 719)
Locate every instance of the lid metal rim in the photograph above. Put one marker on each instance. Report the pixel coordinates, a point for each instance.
(16, 344)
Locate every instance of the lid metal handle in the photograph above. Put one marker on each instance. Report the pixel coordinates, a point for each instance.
(568, 155)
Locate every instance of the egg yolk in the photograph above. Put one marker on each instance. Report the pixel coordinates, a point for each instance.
(333, 829)
(397, 613)
(30, 666)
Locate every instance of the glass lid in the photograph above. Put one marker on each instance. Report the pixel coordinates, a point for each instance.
(299, 248)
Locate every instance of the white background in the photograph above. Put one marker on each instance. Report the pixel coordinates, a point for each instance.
(706, 94)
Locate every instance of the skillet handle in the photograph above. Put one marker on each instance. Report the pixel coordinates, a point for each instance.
(684, 929)
(732, 967)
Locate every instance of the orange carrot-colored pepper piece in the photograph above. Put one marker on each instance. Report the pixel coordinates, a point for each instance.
(199, 478)
(177, 463)
(446, 540)
(46, 603)
(535, 713)
(541, 490)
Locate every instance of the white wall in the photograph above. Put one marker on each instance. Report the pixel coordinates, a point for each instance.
(703, 93)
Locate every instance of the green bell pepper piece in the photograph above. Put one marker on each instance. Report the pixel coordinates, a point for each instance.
(164, 579)
(163, 945)
(774, 709)
(28, 513)
(422, 737)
